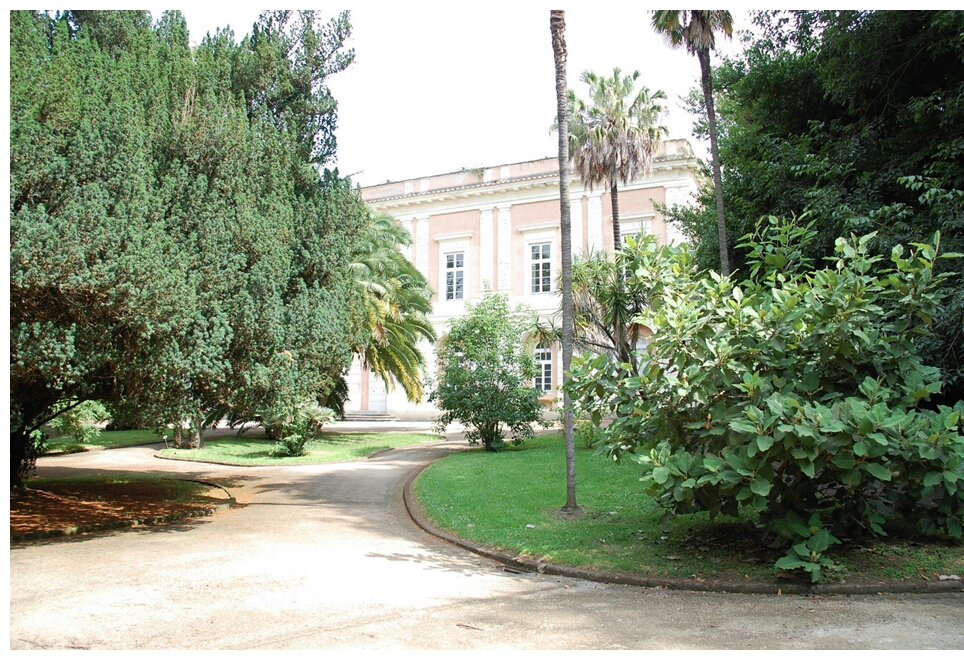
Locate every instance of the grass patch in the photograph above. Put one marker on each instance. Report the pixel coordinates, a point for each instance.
(49, 505)
(176, 490)
(329, 448)
(105, 439)
(509, 500)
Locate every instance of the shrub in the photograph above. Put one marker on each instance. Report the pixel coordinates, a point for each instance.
(485, 372)
(588, 432)
(795, 393)
(296, 427)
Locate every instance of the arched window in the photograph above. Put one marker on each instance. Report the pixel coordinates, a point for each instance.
(543, 357)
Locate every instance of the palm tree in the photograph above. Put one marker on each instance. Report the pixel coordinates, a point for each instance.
(695, 29)
(396, 302)
(605, 306)
(557, 27)
(614, 137)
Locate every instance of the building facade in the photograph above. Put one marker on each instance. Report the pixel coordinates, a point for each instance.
(498, 229)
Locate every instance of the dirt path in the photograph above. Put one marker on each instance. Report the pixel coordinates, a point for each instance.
(324, 557)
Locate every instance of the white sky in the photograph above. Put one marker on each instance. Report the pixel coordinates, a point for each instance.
(438, 87)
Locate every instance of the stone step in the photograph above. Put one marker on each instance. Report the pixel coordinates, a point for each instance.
(369, 416)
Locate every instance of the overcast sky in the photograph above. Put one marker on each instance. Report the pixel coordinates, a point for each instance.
(438, 87)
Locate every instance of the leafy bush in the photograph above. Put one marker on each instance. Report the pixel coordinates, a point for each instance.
(807, 555)
(485, 372)
(588, 432)
(296, 427)
(796, 393)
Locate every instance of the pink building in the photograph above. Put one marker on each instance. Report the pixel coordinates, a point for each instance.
(498, 227)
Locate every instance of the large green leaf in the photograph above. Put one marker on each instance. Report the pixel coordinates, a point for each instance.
(877, 470)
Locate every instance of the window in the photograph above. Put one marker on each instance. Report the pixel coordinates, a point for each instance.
(637, 228)
(541, 268)
(537, 254)
(543, 356)
(454, 275)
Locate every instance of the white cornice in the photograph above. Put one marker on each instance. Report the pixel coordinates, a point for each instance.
(458, 236)
(470, 193)
(542, 226)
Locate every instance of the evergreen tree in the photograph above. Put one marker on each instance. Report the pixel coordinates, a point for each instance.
(174, 249)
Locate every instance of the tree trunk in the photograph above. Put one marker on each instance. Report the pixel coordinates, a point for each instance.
(178, 437)
(491, 437)
(557, 27)
(197, 438)
(23, 457)
(704, 57)
(31, 406)
(614, 198)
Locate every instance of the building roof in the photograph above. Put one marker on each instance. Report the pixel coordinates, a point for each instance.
(533, 173)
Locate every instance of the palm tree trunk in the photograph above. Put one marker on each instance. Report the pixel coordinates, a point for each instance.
(614, 198)
(704, 57)
(557, 26)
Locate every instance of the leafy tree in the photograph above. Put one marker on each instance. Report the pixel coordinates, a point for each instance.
(81, 224)
(173, 248)
(557, 28)
(614, 136)
(78, 421)
(485, 371)
(396, 302)
(797, 394)
(696, 29)
(820, 119)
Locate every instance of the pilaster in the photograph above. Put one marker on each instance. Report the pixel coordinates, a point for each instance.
(421, 245)
(595, 224)
(505, 248)
(407, 226)
(575, 217)
(486, 248)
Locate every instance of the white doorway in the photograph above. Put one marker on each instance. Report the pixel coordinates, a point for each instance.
(377, 393)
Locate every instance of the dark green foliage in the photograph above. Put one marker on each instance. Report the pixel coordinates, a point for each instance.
(854, 120)
(485, 371)
(797, 392)
(173, 247)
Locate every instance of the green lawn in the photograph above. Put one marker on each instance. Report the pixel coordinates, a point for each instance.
(105, 439)
(508, 500)
(329, 448)
(177, 490)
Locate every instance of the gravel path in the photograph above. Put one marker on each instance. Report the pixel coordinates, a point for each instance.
(325, 557)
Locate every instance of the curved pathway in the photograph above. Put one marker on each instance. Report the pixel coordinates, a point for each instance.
(325, 557)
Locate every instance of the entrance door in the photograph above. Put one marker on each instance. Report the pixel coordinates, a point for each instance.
(377, 393)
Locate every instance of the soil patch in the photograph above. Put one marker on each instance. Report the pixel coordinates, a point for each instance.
(52, 505)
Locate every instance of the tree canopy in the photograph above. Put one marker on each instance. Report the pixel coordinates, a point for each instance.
(613, 137)
(175, 245)
(696, 29)
(854, 120)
